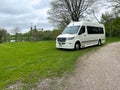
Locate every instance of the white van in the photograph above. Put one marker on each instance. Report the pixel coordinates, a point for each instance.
(81, 34)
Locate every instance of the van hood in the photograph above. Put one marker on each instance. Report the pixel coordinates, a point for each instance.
(66, 35)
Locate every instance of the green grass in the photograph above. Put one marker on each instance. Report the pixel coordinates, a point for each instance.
(28, 62)
(110, 40)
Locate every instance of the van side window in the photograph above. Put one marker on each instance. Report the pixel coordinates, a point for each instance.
(82, 30)
(95, 30)
(101, 31)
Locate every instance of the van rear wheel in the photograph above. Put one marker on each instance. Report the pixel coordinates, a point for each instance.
(77, 46)
(99, 42)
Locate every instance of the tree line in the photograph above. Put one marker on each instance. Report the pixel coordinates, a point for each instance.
(32, 35)
(112, 24)
(111, 20)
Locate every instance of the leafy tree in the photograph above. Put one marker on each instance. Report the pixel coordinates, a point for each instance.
(105, 21)
(3, 35)
(116, 27)
(112, 24)
(63, 11)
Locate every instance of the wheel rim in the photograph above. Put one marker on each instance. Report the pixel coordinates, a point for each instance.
(77, 46)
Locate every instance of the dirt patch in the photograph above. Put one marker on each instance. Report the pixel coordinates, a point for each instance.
(56, 83)
(16, 86)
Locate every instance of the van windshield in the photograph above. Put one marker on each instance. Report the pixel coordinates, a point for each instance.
(71, 30)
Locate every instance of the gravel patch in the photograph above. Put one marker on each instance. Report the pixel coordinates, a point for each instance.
(98, 71)
(16, 86)
(56, 83)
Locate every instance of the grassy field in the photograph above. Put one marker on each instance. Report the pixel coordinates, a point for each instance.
(27, 62)
(110, 40)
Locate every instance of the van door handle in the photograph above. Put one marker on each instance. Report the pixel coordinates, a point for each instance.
(85, 35)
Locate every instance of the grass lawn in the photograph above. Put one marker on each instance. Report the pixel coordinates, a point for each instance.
(28, 62)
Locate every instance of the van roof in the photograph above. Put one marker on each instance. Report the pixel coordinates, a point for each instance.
(87, 23)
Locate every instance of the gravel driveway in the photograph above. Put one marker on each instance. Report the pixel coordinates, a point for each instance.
(99, 70)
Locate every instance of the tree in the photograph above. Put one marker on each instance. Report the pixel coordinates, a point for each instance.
(116, 27)
(105, 19)
(112, 24)
(3, 35)
(93, 13)
(15, 31)
(63, 11)
(115, 3)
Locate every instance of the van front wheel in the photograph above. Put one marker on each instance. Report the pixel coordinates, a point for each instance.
(77, 46)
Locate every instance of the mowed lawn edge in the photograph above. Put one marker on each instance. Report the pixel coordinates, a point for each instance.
(27, 62)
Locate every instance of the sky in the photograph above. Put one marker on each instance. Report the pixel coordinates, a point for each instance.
(24, 13)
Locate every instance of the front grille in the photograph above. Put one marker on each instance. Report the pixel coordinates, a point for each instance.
(61, 39)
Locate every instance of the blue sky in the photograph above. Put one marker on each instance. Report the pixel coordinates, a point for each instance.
(24, 13)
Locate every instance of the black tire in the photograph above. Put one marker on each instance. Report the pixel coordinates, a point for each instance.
(99, 42)
(77, 46)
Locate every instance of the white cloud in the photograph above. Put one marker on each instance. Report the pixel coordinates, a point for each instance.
(34, 2)
(23, 13)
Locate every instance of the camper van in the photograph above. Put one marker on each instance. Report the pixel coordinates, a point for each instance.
(81, 34)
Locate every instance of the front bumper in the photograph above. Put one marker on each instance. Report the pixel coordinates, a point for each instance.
(65, 45)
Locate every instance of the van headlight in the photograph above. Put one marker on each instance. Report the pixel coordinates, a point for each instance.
(70, 38)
